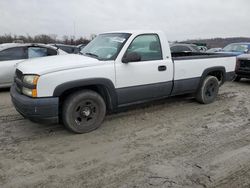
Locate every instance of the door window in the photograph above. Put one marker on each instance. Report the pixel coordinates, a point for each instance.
(34, 52)
(13, 54)
(147, 46)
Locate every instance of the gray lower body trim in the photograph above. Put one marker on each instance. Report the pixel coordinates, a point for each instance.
(186, 86)
(144, 92)
(230, 76)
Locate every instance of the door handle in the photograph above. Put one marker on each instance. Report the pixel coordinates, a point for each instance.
(162, 68)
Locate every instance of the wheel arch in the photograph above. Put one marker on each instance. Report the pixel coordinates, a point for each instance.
(102, 86)
(219, 72)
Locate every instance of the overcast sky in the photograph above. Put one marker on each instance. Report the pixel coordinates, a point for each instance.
(180, 19)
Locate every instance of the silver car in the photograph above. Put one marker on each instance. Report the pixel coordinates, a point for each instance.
(13, 54)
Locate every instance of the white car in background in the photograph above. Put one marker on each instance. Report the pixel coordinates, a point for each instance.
(214, 50)
(12, 54)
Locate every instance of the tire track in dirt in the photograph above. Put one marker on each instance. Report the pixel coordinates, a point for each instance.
(10, 118)
(173, 144)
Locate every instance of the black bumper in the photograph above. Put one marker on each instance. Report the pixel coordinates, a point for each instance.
(41, 110)
(243, 73)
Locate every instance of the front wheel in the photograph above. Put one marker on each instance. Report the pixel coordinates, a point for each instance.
(83, 111)
(208, 91)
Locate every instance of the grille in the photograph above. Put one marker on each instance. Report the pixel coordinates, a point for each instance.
(245, 64)
(19, 76)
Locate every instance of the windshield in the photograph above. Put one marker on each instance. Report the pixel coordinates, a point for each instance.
(106, 46)
(236, 48)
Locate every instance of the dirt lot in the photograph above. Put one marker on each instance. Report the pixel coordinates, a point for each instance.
(172, 143)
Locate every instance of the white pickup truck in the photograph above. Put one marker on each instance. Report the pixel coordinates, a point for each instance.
(115, 70)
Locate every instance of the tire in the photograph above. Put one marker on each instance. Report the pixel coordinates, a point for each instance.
(237, 79)
(83, 111)
(208, 91)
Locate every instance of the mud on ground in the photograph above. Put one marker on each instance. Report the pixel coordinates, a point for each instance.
(172, 143)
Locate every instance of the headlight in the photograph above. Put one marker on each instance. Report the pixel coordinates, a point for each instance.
(30, 89)
(31, 79)
(27, 91)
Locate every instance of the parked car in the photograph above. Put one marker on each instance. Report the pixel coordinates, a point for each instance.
(70, 49)
(181, 47)
(237, 48)
(81, 46)
(202, 48)
(116, 70)
(242, 67)
(214, 50)
(12, 54)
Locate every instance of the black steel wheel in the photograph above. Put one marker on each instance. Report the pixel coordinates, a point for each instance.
(208, 91)
(83, 111)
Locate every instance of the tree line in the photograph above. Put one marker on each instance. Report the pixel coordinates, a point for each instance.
(219, 42)
(45, 39)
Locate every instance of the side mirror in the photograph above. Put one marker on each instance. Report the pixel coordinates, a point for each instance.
(131, 57)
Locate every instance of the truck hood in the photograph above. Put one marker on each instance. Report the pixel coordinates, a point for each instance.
(46, 65)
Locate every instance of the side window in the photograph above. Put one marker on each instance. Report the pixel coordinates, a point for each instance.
(34, 52)
(51, 52)
(13, 54)
(67, 49)
(147, 46)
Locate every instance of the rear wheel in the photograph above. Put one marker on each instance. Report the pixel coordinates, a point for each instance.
(208, 92)
(83, 111)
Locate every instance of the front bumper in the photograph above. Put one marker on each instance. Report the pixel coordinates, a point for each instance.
(243, 73)
(41, 110)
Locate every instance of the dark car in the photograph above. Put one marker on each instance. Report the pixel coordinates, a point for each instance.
(181, 47)
(81, 46)
(242, 67)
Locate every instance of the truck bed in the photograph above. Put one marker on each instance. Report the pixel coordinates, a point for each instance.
(198, 55)
(188, 69)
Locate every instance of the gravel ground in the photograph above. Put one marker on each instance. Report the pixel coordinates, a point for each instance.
(172, 143)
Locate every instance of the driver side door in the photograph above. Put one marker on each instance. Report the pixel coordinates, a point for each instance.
(145, 79)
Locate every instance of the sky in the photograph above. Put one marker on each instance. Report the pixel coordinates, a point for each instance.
(179, 19)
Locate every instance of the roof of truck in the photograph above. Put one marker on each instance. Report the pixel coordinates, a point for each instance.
(134, 31)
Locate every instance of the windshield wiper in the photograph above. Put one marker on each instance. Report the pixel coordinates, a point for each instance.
(92, 55)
